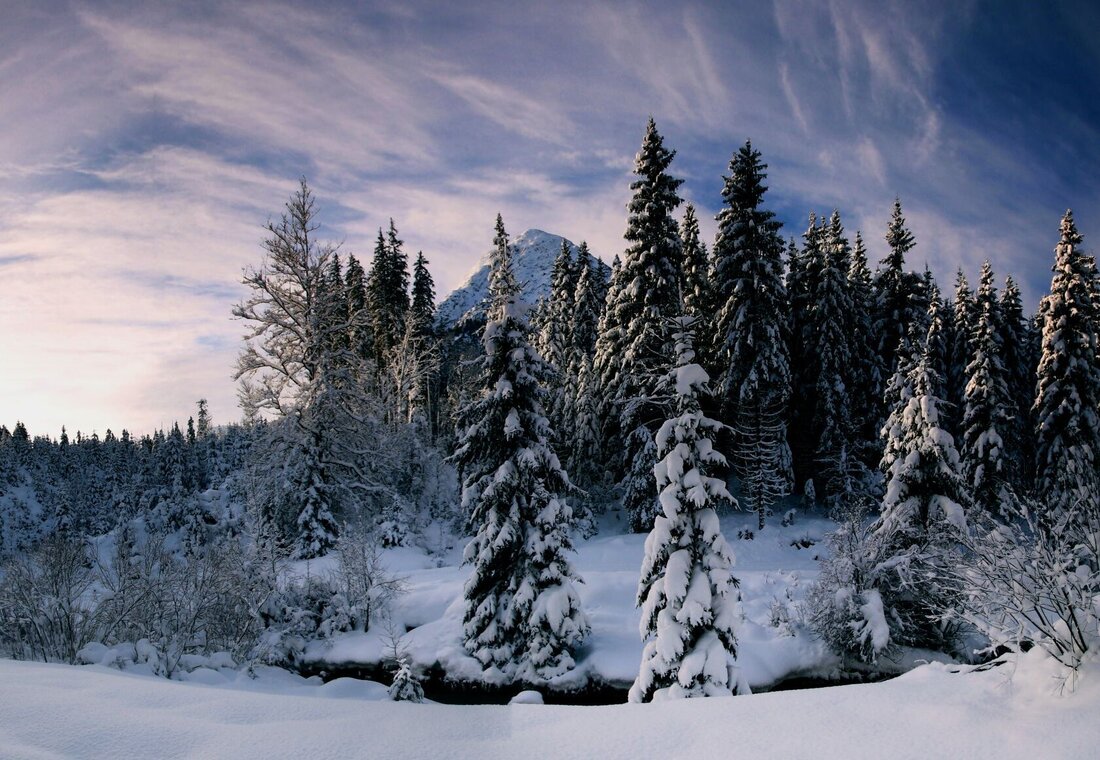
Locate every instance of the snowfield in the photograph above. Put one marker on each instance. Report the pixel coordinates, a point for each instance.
(937, 710)
(57, 711)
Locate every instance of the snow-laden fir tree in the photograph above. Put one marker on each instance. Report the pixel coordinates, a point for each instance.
(636, 485)
(986, 417)
(689, 599)
(422, 307)
(583, 448)
(1016, 341)
(867, 384)
(897, 298)
(587, 300)
(644, 293)
(750, 335)
(925, 490)
(388, 291)
(1068, 388)
(522, 616)
(964, 322)
(803, 278)
(909, 553)
(360, 324)
(553, 341)
(583, 444)
(833, 354)
(406, 686)
(420, 345)
(696, 284)
(936, 327)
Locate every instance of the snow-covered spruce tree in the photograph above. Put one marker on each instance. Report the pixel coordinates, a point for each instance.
(421, 339)
(896, 293)
(406, 686)
(644, 293)
(583, 444)
(923, 509)
(422, 308)
(985, 418)
(866, 391)
(959, 350)
(360, 323)
(936, 327)
(750, 341)
(638, 493)
(1068, 388)
(834, 357)
(584, 447)
(553, 341)
(388, 291)
(924, 485)
(803, 277)
(588, 303)
(522, 615)
(882, 585)
(696, 283)
(690, 601)
(1016, 340)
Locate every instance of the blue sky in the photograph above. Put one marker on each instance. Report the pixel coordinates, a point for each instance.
(144, 146)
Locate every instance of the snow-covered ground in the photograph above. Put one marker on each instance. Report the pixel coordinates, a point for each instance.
(775, 570)
(1013, 710)
(58, 711)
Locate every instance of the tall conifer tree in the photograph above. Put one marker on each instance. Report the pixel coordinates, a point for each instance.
(986, 417)
(690, 600)
(831, 330)
(1016, 339)
(750, 336)
(1068, 388)
(522, 616)
(866, 381)
(897, 300)
(633, 343)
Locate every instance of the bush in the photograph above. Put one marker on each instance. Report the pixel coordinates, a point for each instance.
(47, 609)
(876, 593)
(1031, 582)
(317, 608)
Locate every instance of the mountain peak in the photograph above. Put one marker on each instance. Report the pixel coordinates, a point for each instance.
(533, 254)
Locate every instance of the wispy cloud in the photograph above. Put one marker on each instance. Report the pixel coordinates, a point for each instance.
(145, 145)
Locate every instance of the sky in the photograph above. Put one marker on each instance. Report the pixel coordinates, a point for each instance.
(144, 146)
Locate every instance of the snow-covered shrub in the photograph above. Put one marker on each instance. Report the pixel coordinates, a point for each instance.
(290, 620)
(319, 607)
(406, 686)
(362, 579)
(393, 527)
(875, 593)
(845, 606)
(1029, 583)
(809, 494)
(200, 604)
(47, 611)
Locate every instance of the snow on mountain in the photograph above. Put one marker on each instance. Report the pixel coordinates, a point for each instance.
(533, 255)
